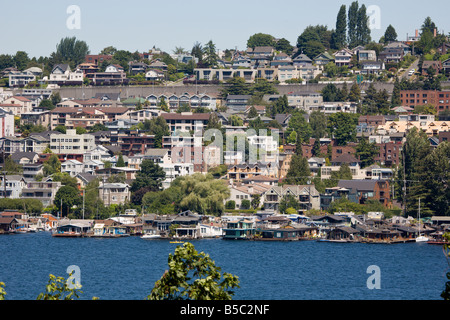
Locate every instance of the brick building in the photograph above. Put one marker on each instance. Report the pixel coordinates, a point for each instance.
(439, 99)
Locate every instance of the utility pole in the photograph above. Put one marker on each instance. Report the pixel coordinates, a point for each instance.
(84, 192)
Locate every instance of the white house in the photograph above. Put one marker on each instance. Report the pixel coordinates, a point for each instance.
(20, 79)
(6, 123)
(154, 75)
(61, 74)
(114, 68)
(72, 167)
(13, 187)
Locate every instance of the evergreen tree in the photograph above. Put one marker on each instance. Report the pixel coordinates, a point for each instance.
(395, 98)
(437, 179)
(390, 34)
(362, 27)
(120, 161)
(366, 152)
(318, 123)
(355, 93)
(411, 172)
(340, 34)
(352, 24)
(298, 172)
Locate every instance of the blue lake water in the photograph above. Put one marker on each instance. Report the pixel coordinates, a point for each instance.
(127, 268)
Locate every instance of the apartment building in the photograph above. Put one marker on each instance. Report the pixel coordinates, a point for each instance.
(71, 143)
(439, 99)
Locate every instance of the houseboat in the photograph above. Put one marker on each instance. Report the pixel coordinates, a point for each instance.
(73, 229)
(239, 230)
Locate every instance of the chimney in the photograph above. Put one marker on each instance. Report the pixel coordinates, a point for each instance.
(434, 32)
(417, 33)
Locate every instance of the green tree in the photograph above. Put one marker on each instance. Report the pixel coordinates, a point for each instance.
(289, 201)
(436, 179)
(253, 113)
(52, 165)
(411, 171)
(366, 152)
(58, 288)
(72, 51)
(390, 34)
(340, 35)
(314, 36)
(120, 161)
(313, 48)
(197, 51)
(256, 200)
(285, 46)
(342, 127)
(299, 172)
(260, 40)
(21, 60)
(193, 276)
(150, 177)
(202, 193)
(395, 98)
(245, 204)
(66, 198)
(11, 167)
(352, 24)
(298, 123)
(355, 93)
(362, 26)
(210, 54)
(329, 92)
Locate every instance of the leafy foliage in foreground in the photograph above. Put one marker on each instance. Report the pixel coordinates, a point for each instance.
(193, 276)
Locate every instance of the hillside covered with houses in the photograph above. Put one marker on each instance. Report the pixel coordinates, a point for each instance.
(215, 145)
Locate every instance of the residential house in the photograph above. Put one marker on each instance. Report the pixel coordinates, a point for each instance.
(372, 67)
(154, 75)
(9, 145)
(97, 59)
(436, 66)
(20, 78)
(239, 192)
(72, 167)
(366, 55)
(114, 193)
(44, 191)
(109, 78)
(186, 121)
(18, 105)
(446, 66)
(364, 190)
(24, 157)
(247, 170)
(11, 186)
(302, 60)
(306, 195)
(392, 55)
(35, 143)
(7, 127)
(323, 59)
(158, 65)
(62, 75)
(31, 170)
(343, 57)
(114, 68)
(137, 67)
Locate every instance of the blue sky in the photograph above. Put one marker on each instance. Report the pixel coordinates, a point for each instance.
(37, 26)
